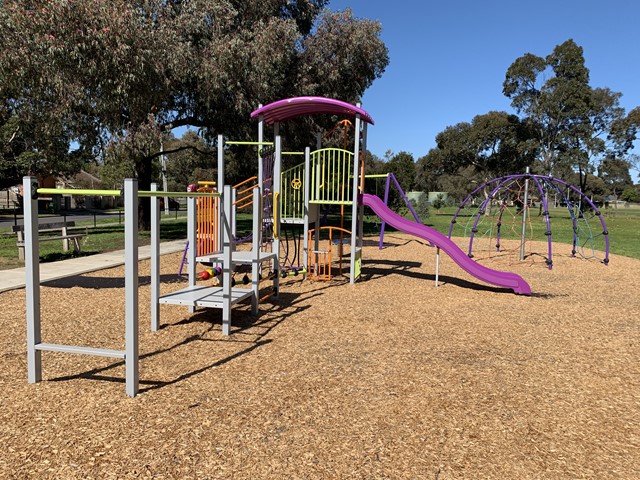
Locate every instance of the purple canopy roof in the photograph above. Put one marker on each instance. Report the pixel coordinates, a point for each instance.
(295, 107)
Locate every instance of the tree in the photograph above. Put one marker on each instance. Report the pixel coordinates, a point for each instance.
(191, 161)
(493, 144)
(374, 166)
(553, 107)
(114, 77)
(24, 150)
(631, 194)
(404, 169)
(574, 126)
(615, 174)
(438, 202)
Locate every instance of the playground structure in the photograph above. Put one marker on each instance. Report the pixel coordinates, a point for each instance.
(506, 213)
(327, 177)
(192, 296)
(392, 181)
(302, 214)
(336, 177)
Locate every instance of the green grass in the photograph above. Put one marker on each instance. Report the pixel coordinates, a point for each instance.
(103, 237)
(622, 224)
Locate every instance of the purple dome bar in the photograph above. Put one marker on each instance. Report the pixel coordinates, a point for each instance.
(542, 183)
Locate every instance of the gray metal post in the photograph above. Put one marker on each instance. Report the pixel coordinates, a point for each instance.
(163, 170)
(155, 260)
(220, 184)
(307, 193)
(227, 264)
(131, 285)
(192, 238)
(355, 252)
(32, 277)
(220, 162)
(277, 168)
(234, 197)
(255, 247)
(260, 140)
(524, 215)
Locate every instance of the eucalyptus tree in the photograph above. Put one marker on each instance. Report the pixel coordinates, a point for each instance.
(21, 153)
(573, 124)
(615, 173)
(491, 145)
(112, 77)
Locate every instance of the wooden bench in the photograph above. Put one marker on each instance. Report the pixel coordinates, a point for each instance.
(49, 228)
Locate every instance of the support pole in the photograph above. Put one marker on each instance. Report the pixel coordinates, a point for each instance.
(192, 240)
(307, 192)
(256, 242)
(355, 257)
(260, 140)
(163, 169)
(227, 264)
(155, 260)
(525, 209)
(32, 283)
(277, 180)
(220, 184)
(131, 285)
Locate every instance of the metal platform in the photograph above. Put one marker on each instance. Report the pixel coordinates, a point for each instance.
(204, 296)
(245, 257)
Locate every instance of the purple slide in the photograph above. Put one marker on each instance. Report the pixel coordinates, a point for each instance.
(502, 279)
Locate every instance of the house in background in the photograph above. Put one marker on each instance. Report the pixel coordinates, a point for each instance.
(85, 180)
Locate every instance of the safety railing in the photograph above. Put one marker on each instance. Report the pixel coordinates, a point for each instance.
(331, 176)
(292, 195)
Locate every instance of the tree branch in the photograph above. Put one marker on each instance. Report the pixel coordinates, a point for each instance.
(192, 121)
(14, 134)
(179, 149)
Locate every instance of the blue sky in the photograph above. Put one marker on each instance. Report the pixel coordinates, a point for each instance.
(448, 59)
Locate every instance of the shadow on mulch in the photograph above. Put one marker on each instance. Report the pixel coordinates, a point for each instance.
(404, 241)
(242, 321)
(57, 256)
(383, 268)
(85, 281)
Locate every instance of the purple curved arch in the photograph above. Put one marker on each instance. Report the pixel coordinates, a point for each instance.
(289, 108)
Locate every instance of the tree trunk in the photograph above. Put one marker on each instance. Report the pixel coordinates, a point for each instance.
(144, 172)
(487, 209)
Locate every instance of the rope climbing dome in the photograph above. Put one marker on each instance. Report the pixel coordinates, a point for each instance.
(517, 192)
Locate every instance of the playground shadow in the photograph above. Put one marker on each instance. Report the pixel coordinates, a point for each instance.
(85, 281)
(382, 268)
(398, 242)
(260, 325)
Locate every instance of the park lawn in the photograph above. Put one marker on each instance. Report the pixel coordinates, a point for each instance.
(623, 225)
(105, 236)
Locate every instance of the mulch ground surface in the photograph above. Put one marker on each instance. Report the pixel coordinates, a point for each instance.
(390, 378)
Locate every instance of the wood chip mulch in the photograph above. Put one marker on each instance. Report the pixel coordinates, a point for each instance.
(390, 378)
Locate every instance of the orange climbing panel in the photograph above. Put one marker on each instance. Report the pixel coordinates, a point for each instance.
(321, 250)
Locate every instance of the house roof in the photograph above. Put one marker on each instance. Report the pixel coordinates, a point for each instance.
(289, 108)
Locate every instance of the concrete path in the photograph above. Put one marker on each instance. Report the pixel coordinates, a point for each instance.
(15, 278)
